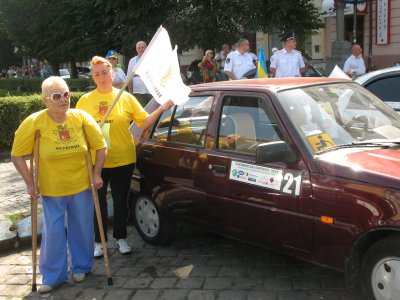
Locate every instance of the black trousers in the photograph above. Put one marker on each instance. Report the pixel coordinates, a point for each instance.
(120, 181)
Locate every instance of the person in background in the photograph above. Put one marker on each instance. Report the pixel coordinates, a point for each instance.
(208, 67)
(63, 181)
(288, 62)
(355, 65)
(137, 87)
(119, 76)
(220, 58)
(273, 51)
(239, 61)
(121, 157)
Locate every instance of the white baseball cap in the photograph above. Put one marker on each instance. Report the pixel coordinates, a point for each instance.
(274, 49)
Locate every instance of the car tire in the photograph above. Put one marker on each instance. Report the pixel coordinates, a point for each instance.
(381, 270)
(151, 223)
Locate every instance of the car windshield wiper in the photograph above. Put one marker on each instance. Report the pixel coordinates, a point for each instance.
(377, 143)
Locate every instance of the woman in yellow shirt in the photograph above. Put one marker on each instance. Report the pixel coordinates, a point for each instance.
(121, 153)
(63, 181)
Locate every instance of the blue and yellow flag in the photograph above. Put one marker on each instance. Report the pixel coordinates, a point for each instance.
(261, 66)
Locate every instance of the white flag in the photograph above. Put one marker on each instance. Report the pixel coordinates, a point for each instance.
(338, 73)
(159, 70)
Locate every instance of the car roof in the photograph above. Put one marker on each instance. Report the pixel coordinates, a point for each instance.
(266, 83)
(366, 77)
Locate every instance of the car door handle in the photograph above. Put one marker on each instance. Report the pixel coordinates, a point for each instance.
(219, 168)
(147, 153)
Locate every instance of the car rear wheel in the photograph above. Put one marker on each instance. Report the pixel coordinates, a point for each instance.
(381, 270)
(151, 223)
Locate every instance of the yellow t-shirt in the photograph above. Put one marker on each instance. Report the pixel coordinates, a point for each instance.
(122, 150)
(62, 150)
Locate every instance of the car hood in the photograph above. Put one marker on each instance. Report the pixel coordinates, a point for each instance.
(375, 166)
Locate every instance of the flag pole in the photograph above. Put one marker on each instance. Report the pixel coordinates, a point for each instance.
(130, 77)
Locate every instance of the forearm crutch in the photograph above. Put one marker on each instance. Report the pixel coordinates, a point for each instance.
(34, 171)
(97, 210)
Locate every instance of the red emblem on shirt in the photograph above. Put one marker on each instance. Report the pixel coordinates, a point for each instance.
(103, 108)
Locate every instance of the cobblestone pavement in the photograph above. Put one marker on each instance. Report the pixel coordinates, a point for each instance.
(197, 265)
(13, 196)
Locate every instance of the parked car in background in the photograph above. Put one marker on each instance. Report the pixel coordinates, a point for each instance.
(385, 84)
(84, 72)
(307, 166)
(64, 73)
(315, 69)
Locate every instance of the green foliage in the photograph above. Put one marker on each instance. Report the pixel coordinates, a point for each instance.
(72, 30)
(14, 109)
(34, 84)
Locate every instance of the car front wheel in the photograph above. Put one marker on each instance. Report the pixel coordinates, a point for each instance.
(153, 226)
(381, 270)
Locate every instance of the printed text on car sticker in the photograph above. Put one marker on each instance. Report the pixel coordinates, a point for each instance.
(286, 181)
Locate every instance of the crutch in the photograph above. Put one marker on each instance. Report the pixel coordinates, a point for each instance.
(34, 171)
(97, 209)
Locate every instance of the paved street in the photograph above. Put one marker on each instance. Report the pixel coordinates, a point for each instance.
(197, 265)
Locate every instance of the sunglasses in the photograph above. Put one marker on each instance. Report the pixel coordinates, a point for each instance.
(56, 97)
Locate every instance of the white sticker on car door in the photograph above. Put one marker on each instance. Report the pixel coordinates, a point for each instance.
(286, 181)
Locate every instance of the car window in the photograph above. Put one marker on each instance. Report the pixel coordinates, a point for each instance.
(188, 123)
(387, 90)
(246, 122)
(338, 114)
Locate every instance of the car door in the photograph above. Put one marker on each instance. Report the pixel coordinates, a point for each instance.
(169, 158)
(268, 204)
(386, 88)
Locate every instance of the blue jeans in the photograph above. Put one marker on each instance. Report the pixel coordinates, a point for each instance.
(53, 262)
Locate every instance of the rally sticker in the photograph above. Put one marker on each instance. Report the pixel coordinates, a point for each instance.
(286, 181)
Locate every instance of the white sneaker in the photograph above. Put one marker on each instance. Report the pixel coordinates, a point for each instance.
(45, 288)
(123, 247)
(98, 250)
(78, 277)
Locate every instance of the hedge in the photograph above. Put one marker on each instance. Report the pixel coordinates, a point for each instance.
(34, 84)
(14, 109)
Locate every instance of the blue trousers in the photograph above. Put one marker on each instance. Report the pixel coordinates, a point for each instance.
(53, 262)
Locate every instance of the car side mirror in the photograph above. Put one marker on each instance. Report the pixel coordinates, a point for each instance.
(278, 151)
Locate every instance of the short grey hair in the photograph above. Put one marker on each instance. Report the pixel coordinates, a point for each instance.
(50, 82)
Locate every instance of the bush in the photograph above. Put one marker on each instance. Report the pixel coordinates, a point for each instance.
(14, 109)
(34, 84)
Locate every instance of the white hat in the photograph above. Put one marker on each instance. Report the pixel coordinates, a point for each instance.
(274, 49)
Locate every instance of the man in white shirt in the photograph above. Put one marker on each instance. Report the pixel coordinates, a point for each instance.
(288, 62)
(137, 86)
(354, 65)
(239, 61)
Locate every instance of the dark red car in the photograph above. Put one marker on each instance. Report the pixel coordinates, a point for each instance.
(309, 167)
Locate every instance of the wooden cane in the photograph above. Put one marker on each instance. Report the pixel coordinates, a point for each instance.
(97, 209)
(34, 171)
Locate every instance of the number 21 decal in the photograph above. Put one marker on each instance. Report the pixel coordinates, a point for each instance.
(291, 183)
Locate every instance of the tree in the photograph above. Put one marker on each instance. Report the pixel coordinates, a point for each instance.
(75, 30)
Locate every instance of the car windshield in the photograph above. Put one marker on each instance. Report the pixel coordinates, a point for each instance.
(339, 115)
(64, 72)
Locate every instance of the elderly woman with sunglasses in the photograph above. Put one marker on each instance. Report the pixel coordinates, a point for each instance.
(63, 181)
(121, 154)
